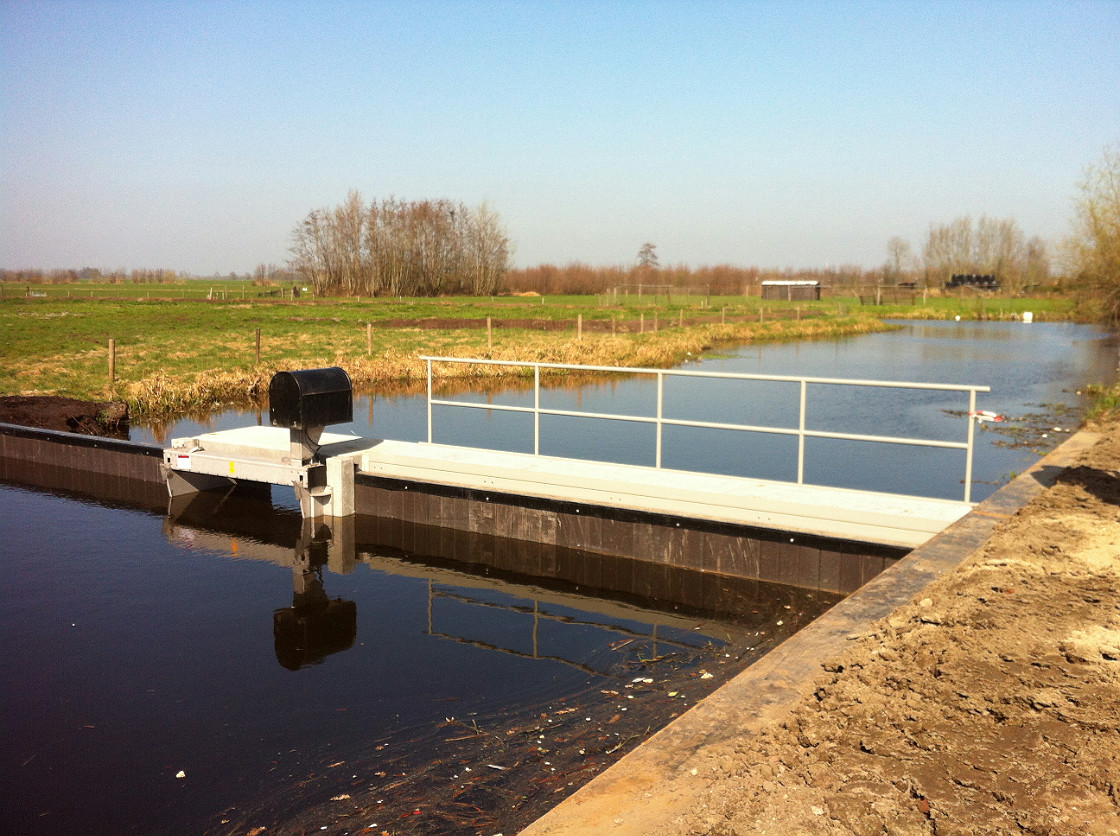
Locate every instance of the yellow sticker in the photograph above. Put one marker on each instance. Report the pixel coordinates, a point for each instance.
(231, 468)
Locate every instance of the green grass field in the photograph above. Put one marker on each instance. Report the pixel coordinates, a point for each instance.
(58, 344)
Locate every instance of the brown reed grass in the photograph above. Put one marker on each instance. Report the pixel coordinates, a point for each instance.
(160, 396)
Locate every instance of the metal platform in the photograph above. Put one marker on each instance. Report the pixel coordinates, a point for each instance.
(326, 486)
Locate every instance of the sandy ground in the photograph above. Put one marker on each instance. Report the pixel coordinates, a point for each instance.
(989, 706)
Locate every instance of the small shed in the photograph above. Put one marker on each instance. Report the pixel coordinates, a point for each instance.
(793, 290)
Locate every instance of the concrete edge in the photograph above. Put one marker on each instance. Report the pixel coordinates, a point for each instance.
(666, 774)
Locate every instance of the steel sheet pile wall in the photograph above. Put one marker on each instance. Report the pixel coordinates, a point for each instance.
(121, 471)
(735, 551)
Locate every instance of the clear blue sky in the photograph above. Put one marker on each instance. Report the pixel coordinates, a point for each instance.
(196, 135)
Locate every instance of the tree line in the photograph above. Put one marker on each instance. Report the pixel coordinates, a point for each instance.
(434, 247)
(989, 246)
(401, 248)
(720, 280)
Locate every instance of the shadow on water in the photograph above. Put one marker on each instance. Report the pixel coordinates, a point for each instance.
(304, 676)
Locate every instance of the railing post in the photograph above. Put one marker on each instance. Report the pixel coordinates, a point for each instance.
(801, 436)
(536, 409)
(660, 414)
(968, 451)
(429, 401)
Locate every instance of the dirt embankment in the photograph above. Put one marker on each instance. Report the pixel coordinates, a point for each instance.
(989, 706)
(66, 415)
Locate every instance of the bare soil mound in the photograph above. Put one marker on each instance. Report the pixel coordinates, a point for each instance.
(989, 706)
(66, 414)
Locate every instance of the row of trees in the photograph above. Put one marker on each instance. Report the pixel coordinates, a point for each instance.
(400, 248)
(1089, 258)
(719, 279)
(989, 246)
(432, 247)
(92, 274)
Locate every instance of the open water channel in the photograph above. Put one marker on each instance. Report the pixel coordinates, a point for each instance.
(145, 690)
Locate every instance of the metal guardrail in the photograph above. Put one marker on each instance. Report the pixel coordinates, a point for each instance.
(802, 432)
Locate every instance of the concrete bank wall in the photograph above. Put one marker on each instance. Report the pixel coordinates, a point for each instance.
(670, 772)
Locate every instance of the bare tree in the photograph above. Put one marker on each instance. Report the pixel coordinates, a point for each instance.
(991, 246)
(401, 248)
(1093, 251)
(900, 260)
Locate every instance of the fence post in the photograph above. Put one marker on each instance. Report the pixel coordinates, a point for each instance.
(642, 323)
(258, 346)
(369, 338)
(489, 334)
(579, 326)
(112, 361)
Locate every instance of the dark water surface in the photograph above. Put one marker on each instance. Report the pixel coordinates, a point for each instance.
(135, 646)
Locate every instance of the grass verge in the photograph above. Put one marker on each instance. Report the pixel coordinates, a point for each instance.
(180, 357)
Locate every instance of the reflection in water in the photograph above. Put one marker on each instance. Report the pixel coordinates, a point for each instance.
(314, 626)
(135, 644)
(245, 524)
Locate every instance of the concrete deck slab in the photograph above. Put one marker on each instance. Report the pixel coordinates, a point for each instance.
(863, 516)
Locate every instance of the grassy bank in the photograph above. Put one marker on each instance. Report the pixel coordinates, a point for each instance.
(174, 355)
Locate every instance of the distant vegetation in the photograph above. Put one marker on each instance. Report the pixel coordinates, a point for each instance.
(1093, 251)
(398, 248)
(395, 248)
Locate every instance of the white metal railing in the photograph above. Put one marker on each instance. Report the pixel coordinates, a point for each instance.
(802, 432)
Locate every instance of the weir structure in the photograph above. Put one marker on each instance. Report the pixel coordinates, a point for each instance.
(786, 532)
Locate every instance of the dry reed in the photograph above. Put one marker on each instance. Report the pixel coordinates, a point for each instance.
(162, 396)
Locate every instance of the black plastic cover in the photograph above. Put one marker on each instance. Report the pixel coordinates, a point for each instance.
(306, 398)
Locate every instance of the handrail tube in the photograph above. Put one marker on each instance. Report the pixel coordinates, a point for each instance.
(429, 359)
(710, 425)
(801, 434)
(840, 381)
(968, 455)
(660, 416)
(537, 411)
(659, 420)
